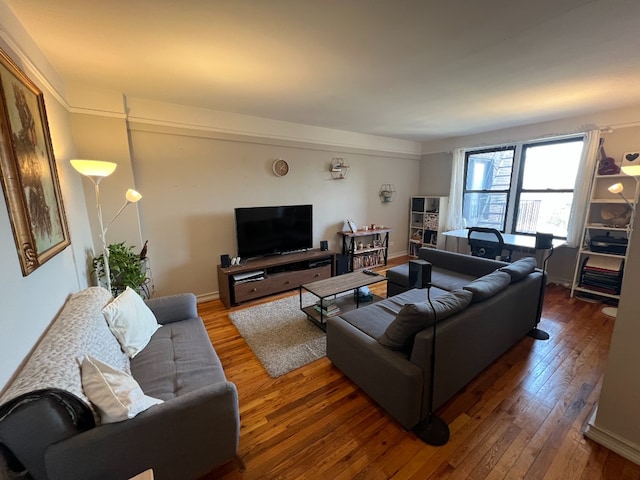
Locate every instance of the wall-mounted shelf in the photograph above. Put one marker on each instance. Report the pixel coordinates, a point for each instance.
(339, 168)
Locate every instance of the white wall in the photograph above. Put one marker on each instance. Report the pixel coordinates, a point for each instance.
(617, 423)
(192, 182)
(30, 303)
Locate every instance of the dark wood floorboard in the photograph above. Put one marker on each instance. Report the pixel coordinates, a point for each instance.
(522, 418)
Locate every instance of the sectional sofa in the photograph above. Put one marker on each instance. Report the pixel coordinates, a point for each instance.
(483, 308)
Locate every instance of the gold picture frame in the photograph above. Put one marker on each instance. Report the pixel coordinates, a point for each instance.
(28, 170)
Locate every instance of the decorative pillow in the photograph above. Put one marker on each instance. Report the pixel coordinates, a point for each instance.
(116, 395)
(414, 317)
(131, 321)
(520, 268)
(487, 286)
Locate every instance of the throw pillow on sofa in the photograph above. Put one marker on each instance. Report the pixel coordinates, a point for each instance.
(487, 286)
(116, 395)
(520, 268)
(414, 317)
(131, 321)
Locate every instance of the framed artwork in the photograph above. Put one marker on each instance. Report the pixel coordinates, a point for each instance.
(352, 226)
(28, 170)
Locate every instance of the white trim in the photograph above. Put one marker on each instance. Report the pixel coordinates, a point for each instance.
(98, 113)
(194, 118)
(30, 68)
(610, 440)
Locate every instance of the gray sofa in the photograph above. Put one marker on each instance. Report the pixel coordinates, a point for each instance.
(398, 379)
(48, 427)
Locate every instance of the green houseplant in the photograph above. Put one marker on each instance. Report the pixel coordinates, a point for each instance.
(127, 269)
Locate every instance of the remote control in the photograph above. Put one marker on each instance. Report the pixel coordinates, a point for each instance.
(369, 272)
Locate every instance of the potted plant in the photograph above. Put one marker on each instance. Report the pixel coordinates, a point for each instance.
(127, 269)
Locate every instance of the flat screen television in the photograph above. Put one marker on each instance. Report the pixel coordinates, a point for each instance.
(273, 230)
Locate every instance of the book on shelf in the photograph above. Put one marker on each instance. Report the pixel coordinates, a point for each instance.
(325, 312)
(602, 274)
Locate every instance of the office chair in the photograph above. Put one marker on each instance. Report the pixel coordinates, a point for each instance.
(488, 243)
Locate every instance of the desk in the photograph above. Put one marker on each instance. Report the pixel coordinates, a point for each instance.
(523, 243)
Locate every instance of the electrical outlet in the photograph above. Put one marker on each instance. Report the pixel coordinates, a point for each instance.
(391, 242)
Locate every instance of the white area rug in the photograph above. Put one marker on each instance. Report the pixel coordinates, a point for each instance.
(280, 334)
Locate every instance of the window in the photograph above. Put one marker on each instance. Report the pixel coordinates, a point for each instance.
(522, 188)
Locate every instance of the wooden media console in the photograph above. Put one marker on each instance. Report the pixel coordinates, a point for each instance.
(264, 276)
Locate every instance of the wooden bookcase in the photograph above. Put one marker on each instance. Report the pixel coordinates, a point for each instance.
(366, 248)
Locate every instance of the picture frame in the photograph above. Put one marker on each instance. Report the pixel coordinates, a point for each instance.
(28, 170)
(352, 226)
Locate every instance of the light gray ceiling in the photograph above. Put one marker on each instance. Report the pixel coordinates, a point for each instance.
(416, 70)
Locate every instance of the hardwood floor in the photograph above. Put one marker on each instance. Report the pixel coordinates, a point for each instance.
(522, 417)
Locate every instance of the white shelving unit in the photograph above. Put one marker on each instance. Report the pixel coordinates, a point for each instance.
(426, 222)
(601, 220)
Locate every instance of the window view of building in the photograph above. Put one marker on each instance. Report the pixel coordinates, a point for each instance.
(522, 188)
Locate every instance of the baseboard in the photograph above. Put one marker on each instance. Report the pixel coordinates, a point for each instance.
(610, 440)
(207, 297)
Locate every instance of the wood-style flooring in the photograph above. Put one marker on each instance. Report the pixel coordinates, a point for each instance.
(523, 417)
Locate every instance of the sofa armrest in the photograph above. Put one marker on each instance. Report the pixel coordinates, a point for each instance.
(33, 421)
(386, 375)
(184, 437)
(173, 308)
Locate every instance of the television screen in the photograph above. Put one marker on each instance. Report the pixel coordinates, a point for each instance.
(273, 230)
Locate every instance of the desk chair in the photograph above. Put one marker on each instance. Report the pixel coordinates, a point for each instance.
(483, 245)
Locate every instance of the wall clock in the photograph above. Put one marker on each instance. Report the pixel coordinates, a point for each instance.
(280, 167)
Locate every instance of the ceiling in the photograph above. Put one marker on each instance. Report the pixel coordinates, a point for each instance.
(408, 69)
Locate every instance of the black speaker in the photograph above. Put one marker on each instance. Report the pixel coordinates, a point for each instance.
(324, 245)
(544, 241)
(419, 273)
(225, 261)
(342, 264)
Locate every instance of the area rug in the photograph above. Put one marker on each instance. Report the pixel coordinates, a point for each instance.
(280, 335)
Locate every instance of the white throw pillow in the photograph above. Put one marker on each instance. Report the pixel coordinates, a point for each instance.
(131, 321)
(116, 395)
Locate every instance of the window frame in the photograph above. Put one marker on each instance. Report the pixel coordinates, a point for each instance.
(515, 190)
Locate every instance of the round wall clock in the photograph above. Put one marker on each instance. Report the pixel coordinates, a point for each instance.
(280, 167)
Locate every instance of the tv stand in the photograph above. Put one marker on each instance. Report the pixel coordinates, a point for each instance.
(281, 273)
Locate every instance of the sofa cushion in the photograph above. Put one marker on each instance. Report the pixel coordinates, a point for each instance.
(441, 277)
(414, 317)
(487, 286)
(399, 274)
(449, 279)
(116, 395)
(131, 321)
(520, 268)
(179, 359)
(54, 362)
(375, 318)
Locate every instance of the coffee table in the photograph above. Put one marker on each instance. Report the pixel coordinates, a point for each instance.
(327, 291)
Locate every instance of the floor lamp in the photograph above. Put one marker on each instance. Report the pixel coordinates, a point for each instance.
(618, 188)
(96, 170)
(433, 430)
(544, 243)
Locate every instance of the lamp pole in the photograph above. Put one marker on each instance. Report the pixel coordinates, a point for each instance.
(96, 170)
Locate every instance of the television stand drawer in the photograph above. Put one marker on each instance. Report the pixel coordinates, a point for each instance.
(279, 282)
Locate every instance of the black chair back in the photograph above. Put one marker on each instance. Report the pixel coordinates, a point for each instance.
(487, 243)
